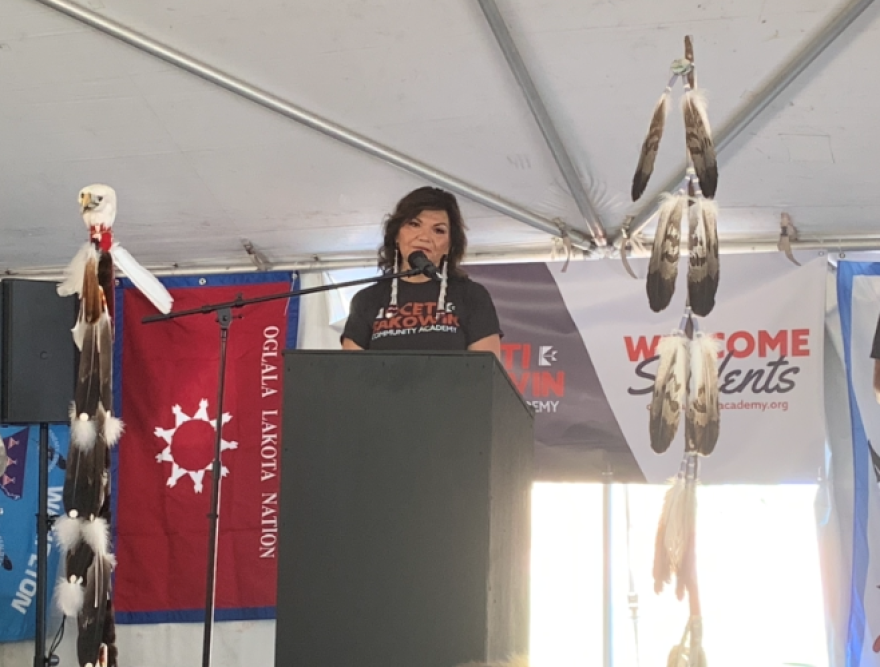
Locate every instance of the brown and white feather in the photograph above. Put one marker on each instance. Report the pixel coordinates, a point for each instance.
(90, 621)
(698, 136)
(650, 146)
(105, 360)
(668, 396)
(665, 253)
(703, 263)
(87, 394)
(703, 413)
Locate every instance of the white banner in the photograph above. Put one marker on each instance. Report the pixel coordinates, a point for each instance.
(769, 314)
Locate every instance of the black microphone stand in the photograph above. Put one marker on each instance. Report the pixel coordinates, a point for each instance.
(224, 319)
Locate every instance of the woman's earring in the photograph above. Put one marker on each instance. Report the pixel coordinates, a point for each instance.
(391, 311)
(441, 300)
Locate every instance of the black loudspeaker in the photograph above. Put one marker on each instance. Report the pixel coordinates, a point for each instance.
(38, 364)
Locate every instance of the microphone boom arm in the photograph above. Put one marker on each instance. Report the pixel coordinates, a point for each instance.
(240, 303)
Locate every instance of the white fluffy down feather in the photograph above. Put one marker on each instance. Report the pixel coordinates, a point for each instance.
(83, 433)
(113, 429)
(96, 535)
(68, 532)
(69, 596)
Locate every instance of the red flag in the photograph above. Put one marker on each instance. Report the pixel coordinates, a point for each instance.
(169, 394)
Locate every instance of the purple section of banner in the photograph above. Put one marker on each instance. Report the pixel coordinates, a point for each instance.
(577, 437)
(12, 480)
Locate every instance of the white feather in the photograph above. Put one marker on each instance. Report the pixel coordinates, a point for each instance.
(145, 281)
(704, 354)
(68, 532)
(709, 208)
(113, 429)
(79, 330)
(698, 98)
(83, 432)
(73, 273)
(671, 349)
(669, 201)
(96, 534)
(69, 596)
(682, 513)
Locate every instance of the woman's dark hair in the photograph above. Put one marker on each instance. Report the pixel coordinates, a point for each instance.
(426, 199)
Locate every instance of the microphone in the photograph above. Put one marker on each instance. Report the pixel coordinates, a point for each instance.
(418, 260)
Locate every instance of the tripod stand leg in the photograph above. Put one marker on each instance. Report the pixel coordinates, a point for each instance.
(42, 548)
(224, 319)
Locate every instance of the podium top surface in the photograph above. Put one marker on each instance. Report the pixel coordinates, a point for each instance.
(488, 358)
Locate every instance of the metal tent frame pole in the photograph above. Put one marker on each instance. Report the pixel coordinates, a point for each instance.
(608, 568)
(536, 254)
(313, 121)
(542, 117)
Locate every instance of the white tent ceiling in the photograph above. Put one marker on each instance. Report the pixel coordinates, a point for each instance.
(197, 168)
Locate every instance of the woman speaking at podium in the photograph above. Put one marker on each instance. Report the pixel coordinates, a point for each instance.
(419, 312)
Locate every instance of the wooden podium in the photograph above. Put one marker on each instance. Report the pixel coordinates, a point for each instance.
(404, 519)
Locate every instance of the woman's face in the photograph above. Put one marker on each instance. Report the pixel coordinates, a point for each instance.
(428, 232)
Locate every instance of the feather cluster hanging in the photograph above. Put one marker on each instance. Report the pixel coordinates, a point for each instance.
(687, 377)
(700, 184)
(674, 539)
(84, 592)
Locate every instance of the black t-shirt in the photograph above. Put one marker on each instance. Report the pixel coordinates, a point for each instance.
(469, 316)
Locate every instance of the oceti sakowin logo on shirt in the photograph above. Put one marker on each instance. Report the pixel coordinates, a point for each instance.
(752, 363)
(533, 369)
(415, 317)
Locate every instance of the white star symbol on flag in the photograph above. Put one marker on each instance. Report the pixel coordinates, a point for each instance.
(167, 454)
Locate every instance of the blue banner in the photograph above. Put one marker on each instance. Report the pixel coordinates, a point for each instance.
(19, 503)
(858, 295)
